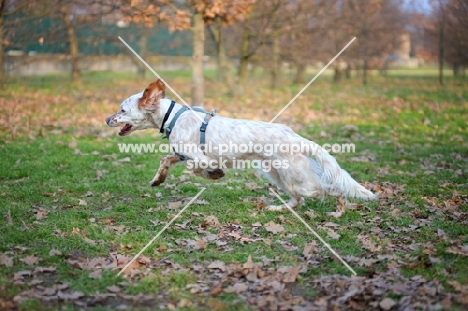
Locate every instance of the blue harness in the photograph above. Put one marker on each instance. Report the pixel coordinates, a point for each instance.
(167, 131)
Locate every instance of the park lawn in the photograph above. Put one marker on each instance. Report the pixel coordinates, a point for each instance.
(74, 208)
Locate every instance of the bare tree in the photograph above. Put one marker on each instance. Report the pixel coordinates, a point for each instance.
(144, 15)
(456, 38)
(194, 15)
(7, 7)
(377, 25)
(73, 14)
(2, 56)
(270, 31)
(206, 12)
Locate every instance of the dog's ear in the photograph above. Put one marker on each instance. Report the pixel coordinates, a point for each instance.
(151, 96)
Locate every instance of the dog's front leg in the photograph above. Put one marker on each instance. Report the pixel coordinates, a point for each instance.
(166, 163)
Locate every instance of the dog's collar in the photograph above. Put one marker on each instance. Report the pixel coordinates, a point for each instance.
(166, 116)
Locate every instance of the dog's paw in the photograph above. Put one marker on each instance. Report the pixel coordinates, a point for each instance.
(156, 182)
(213, 174)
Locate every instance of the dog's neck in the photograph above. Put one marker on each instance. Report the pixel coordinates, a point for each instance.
(163, 108)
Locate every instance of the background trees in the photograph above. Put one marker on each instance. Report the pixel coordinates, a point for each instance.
(242, 34)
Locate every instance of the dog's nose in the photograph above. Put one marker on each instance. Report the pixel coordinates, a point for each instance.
(107, 120)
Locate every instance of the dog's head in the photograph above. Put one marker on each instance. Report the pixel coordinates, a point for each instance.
(135, 112)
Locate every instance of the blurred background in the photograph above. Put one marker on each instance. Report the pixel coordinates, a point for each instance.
(217, 50)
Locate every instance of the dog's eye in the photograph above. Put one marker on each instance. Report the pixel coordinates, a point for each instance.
(123, 111)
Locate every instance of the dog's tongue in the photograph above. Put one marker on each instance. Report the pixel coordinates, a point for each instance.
(125, 130)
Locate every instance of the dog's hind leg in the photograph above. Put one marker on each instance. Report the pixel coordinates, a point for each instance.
(295, 201)
(292, 203)
(166, 163)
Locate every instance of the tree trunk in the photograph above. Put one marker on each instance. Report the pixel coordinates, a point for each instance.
(365, 40)
(217, 34)
(456, 69)
(197, 60)
(143, 52)
(441, 48)
(348, 70)
(244, 58)
(224, 68)
(299, 77)
(2, 55)
(74, 54)
(275, 63)
(364, 72)
(338, 72)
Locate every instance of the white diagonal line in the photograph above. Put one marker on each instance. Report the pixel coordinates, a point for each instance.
(159, 233)
(312, 230)
(313, 79)
(157, 75)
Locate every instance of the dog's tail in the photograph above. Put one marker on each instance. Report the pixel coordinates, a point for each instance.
(336, 181)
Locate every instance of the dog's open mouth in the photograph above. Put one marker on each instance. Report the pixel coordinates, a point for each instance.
(125, 130)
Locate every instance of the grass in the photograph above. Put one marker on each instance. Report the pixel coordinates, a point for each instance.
(408, 132)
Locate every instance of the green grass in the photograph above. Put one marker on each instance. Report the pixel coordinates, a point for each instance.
(415, 130)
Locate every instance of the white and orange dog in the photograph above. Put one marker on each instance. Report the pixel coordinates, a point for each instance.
(309, 174)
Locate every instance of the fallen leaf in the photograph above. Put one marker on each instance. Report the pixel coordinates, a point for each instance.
(332, 234)
(54, 252)
(260, 203)
(252, 186)
(309, 248)
(21, 274)
(463, 250)
(197, 288)
(69, 296)
(216, 291)
(44, 270)
(82, 202)
(249, 264)
(96, 274)
(6, 261)
(237, 288)
(217, 265)
(30, 260)
(273, 228)
(41, 214)
(113, 289)
(387, 303)
(174, 205)
(201, 244)
(210, 221)
(311, 214)
(8, 218)
(288, 246)
(290, 274)
(368, 242)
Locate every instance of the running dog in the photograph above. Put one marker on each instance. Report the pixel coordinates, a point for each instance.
(312, 173)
